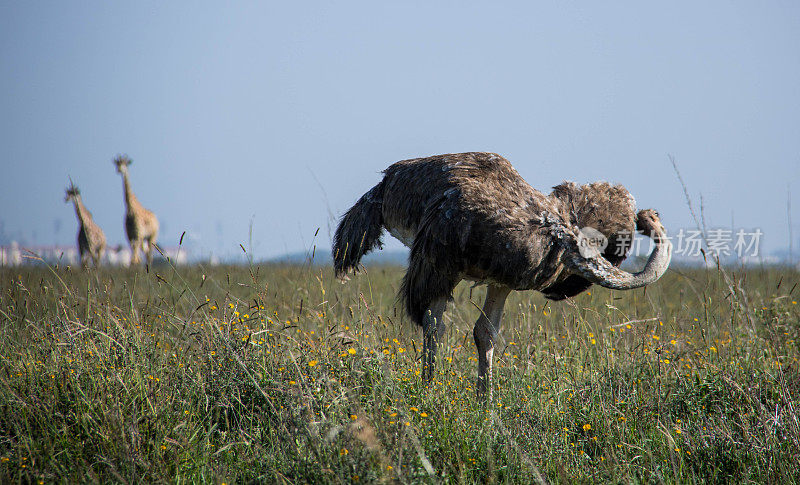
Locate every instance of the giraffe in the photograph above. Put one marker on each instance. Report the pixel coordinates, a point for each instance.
(141, 225)
(91, 240)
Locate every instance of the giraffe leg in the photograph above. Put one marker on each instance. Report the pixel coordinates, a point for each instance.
(146, 250)
(485, 332)
(433, 329)
(150, 243)
(135, 246)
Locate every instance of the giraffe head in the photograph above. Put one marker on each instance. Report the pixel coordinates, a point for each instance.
(72, 192)
(122, 162)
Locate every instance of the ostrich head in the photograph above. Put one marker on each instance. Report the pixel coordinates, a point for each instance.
(648, 223)
(122, 162)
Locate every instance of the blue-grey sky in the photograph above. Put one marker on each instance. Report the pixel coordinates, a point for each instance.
(282, 114)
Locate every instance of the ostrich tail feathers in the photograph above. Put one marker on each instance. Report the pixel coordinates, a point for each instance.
(359, 231)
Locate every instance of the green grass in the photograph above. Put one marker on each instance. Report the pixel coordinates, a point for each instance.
(281, 374)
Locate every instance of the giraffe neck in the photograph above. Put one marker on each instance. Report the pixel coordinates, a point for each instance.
(130, 199)
(80, 210)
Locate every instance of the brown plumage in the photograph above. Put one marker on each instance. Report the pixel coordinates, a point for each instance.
(472, 216)
(91, 240)
(141, 225)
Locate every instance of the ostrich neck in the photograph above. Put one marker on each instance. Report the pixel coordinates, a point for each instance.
(600, 271)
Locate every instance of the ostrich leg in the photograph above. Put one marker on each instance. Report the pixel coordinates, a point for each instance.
(485, 331)
(433, 330)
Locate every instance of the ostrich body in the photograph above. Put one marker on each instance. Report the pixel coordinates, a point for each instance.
(91, 240)
(472, 216)
(141, 225)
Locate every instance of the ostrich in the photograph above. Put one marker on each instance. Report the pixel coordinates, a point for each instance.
(141, 225)
(91, 240)
(472, 216)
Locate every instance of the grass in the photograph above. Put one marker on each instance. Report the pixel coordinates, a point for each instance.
(280, 374)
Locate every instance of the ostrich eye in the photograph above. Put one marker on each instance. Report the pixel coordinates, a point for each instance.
(657, 214)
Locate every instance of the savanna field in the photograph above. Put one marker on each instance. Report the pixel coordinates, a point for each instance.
(281, 374)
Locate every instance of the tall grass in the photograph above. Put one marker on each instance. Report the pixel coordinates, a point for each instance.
(281, 374)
